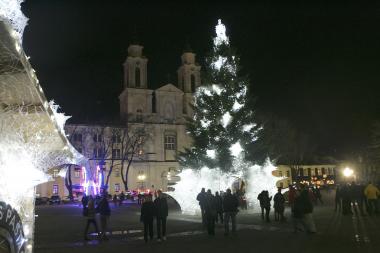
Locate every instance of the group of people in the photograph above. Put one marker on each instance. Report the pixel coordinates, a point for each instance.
(354, 196)
(90, 208)
(154, 209)
(301, 205)
(221, 207)
(279, 205)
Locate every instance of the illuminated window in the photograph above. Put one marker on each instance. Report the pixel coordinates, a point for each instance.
(116, 153)
(280, 173)
(287, 173)
(55, 173)
(77, 173)
(170, 142)
(55, 189)
(305, 172)
(117, 187)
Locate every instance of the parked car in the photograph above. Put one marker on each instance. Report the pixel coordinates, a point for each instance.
(55, 200)
(41, 200)
(68, 200)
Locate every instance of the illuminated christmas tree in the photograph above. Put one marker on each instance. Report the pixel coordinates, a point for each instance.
(222, 123)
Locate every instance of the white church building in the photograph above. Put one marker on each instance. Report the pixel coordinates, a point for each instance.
(162, 112)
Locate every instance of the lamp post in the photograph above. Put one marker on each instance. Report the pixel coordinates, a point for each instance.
(348, 172)
(141, 179)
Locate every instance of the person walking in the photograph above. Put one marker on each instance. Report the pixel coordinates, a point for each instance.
(210, 212)
(90, 213)
(265, 204)
(261, 197)
(201, 197)
(230, 209)
(372, 194)
(298, 212)
(105, 213)
(279, 206)
(121, 198)
(317, 194)
(219, 207)
(307, 207)
(346, 200)
(84, 200)
(147, 214)
(338, 198)
(161, 206)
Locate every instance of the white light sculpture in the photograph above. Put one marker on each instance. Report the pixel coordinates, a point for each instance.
(32, 139)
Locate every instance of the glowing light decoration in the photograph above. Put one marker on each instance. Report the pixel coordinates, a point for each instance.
(230, 98)
(32, 138)
(257, 178)
(10, 12)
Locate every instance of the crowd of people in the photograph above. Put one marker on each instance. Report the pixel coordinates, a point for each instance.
(223, 207)
(358, 198)
(150, 210)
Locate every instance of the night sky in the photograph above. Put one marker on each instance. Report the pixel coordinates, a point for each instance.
(315, 65)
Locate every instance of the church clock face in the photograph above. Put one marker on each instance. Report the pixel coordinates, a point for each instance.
(11, 233)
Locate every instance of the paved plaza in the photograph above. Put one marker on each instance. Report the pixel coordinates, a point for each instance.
(60, 228)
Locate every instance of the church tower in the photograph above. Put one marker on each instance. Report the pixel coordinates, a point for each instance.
(189, 78)
(135, 71)
(136, 98)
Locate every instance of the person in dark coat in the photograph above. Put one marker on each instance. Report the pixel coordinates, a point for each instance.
(90, 214)
(201, 197)
(298, 212)
(219, 207)
(338, 198)
(121, 198)
(105, 213)
(84, 200)
(279, 205)
(230, 209)
(210, 212)
(265, 204)
(307, 208)
(260, 197)
(346, 200)
(148, 211)
(161, 206)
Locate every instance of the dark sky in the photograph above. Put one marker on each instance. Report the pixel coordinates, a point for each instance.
(315, 65)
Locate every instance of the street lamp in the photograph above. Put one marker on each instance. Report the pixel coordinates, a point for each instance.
(141, 178)
(347, 172)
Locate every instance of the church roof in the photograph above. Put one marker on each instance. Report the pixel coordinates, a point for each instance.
(169, 88)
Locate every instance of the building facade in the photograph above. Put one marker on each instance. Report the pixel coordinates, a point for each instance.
(160, 113)
(325, 174)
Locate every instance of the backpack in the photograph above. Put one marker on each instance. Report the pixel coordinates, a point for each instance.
(85, 211)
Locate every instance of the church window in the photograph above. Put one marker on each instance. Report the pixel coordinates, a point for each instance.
(184, 106)
(116, 138)
(139, 115)
(192, 83)
(137, 76)
(170, 141)
(153, 102)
